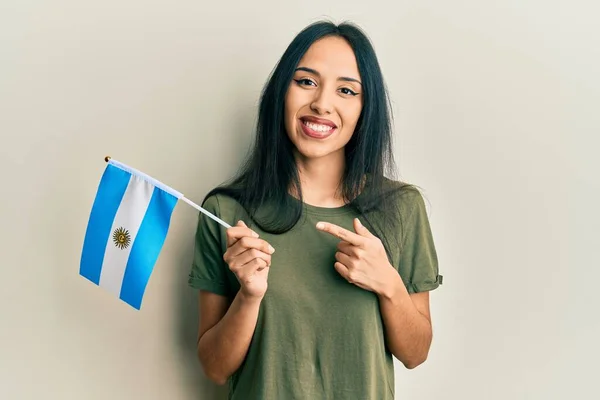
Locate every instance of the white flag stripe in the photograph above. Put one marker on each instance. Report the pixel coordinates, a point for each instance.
(129, 217)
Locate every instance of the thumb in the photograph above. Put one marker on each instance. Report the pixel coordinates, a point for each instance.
(360, 229)
(242, 224)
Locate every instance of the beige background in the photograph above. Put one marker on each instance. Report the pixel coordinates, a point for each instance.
(496, 107)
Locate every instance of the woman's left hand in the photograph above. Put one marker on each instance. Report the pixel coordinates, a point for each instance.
(361, 258)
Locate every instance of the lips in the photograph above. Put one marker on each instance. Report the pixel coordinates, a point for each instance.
(317, 128)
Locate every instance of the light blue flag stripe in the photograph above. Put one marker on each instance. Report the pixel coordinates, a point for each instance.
(147, 246)
(108, 198)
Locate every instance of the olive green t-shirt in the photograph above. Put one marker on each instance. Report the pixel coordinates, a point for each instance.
(318, 337)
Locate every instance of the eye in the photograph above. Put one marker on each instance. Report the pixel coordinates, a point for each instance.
(348, 92)
(305, 82)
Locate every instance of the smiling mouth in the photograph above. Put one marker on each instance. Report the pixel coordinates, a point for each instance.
(316, 130)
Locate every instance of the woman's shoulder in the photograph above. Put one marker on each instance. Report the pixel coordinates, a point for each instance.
(223, 205)
(217, 200)
(406, 196)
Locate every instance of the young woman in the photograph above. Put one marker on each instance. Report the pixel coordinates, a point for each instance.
(325, 276)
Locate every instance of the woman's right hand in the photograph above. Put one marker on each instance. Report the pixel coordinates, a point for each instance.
(249, 258)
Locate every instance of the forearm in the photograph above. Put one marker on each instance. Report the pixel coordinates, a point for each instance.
(222, 348)
(408, 332)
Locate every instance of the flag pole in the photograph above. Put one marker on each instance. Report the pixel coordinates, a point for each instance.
(196, 206)
(208, 214)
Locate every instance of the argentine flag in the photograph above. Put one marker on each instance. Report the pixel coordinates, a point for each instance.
(126, 230)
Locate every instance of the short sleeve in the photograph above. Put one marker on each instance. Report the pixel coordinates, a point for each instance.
(418, 264)
(208, 270)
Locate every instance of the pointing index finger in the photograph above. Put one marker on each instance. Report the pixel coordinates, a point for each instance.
(341, 233)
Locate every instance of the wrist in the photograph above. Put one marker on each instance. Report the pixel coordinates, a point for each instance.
(249, 300)
(392, 286)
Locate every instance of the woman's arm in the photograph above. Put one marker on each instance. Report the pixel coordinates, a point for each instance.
(407, 322)
(226, 329)
(225, 333)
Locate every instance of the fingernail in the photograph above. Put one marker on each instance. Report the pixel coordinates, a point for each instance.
(320, 225)
(254, 234)
(358, 220)
(271, 249)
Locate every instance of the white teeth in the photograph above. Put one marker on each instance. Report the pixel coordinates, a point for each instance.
(318, 127)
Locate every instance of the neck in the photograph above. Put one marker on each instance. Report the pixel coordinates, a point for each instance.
(321, 180)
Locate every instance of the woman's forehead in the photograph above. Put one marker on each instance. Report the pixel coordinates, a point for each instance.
(331, 56)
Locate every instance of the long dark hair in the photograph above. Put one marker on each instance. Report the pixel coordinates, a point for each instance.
(270, 171)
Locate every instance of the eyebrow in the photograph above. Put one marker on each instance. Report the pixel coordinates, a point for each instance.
(315, 72)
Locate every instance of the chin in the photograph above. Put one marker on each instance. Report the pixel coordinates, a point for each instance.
(316, 151)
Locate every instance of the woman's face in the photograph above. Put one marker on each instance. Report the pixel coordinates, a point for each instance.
(324, 100)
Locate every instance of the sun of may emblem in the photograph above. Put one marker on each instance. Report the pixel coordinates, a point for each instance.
(121, 238)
